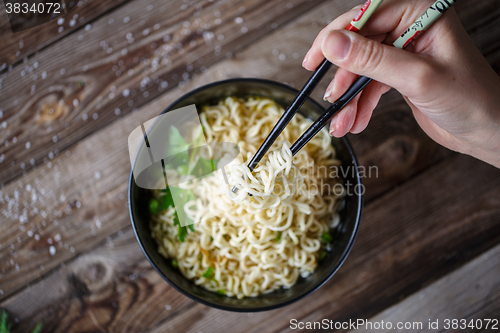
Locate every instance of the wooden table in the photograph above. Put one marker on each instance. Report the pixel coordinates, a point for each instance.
(429, 243)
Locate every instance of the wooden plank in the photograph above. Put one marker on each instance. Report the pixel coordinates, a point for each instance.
(14, 47)
(480, 20)
(92, 76)
(408, 239)
(79, 195)
(95, 174)
(100, 79)
(490, 311)
(466, 293)
(97, 272)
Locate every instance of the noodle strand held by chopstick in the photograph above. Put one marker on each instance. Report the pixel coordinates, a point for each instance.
(242, 245)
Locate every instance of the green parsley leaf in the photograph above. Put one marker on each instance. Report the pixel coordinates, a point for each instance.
(194, 153)
(176, 142)
(183, 159)
(203, 167)
(38, 328)
(208, 274)
(326, 237)
(4, 325)
(165, 201)
(178, 152)
(181, 231)
(185, 196)
(183, 170)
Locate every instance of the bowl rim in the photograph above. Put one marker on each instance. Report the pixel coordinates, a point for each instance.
(325, 279)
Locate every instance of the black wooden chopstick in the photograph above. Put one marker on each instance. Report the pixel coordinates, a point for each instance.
(325, 118)
(422, 23)
(356, 24)
(290, 112)
(288, 115)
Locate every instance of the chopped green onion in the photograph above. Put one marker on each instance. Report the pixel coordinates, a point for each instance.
(326, 237)
(175, 264)
(208, 274)
(153, 206)
(278, 238)
(221, 292)
(322, 255)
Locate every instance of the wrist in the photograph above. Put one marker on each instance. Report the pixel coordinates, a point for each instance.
(486, 142)
(490, 151)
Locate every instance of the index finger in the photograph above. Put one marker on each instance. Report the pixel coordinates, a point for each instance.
(315, 56)
(391, 18)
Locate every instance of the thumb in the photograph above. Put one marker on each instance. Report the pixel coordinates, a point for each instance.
(375, 60)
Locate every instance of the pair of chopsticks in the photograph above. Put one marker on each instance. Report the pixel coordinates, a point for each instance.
(420, 25)
(356, 24)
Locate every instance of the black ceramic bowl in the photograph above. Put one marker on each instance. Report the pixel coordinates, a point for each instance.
(344, 234)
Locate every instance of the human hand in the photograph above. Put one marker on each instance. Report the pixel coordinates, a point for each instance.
(452, 90)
